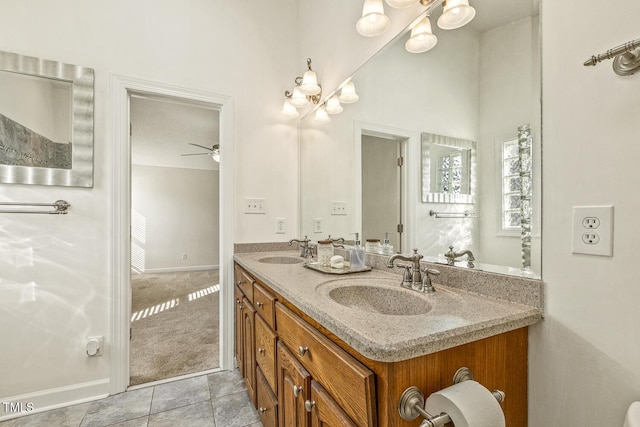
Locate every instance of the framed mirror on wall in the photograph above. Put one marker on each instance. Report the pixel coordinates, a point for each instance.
(46, 122)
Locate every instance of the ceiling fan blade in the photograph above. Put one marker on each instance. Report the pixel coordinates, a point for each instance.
(196, 154)
(201, 146)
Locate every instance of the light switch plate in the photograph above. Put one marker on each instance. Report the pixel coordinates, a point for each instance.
(593, 230)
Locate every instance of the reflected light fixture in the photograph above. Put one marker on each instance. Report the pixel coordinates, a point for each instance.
(333, 106)
(422, 39)
(321, 115)
(373, 21)
(348, 93)
(455, 14)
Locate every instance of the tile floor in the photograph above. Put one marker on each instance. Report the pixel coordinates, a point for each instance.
(219, 399)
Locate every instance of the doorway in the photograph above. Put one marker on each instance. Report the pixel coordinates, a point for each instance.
(174, 237)
(121, 307)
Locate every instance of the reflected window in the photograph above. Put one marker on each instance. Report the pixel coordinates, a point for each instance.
(511, 186)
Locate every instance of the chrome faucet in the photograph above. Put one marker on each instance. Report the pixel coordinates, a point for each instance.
(451, 256)
(339, 240)
(412, 272)
(305, 248)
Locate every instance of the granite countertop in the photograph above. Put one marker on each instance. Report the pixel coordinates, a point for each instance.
(456, 316)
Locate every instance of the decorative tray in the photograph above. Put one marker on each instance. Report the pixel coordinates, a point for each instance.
(328, 270)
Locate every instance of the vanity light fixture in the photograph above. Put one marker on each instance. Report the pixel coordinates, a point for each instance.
(306, 90)
(422, 38)
(373, 21)
(333, 106)
(399, 4)
(348, 93)
(321, 115)
(455, 14)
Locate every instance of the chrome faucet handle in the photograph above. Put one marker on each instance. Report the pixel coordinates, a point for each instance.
(450, 255)
(427, 286)
(407, 278)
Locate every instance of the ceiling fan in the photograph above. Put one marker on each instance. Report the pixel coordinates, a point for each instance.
(214, 151)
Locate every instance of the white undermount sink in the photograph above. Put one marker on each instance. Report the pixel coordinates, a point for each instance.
(375, 295)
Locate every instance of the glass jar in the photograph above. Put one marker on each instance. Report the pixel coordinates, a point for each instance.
(325, 252)
(373, 246)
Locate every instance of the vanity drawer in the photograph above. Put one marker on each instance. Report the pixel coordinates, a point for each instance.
(267, 401)
(266, 351)
(350, 383)
(245, 282)
(264, 304)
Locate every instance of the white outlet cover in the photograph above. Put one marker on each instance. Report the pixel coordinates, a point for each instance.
(593, 230)
(317, 225)
(281, 225)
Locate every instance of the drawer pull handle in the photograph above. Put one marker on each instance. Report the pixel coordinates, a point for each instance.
(259, 304)
(261, 350)
(309, 404)
(239, 283)
(296, 390)
(262, 409)
(302, 350)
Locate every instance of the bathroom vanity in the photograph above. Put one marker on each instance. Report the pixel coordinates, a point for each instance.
(317, 349)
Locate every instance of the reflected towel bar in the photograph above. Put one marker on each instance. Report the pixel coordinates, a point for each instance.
(626, 58)
(61, 207)
(465, 214)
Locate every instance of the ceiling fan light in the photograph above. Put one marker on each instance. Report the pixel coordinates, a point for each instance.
(348, 93)
(422, 39)
(373, 21)
(333, 106)
(455, 14)
(215, 153)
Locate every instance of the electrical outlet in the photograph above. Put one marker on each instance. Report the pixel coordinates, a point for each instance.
(254, 206)
(281, 225)
(317, 225)
(338, 208)
(593, 230)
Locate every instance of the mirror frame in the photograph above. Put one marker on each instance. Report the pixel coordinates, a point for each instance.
(429, 139)
(82, 117)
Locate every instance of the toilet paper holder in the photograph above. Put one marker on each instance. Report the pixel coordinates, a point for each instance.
(411, 404)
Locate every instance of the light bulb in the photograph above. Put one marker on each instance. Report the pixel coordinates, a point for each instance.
(348, 93)
(298, 99)
(455, 14)
(400, 3)
(322, 116)
(309, 84)
(373, 21)
(288, 109)
(333, 106)
(422, 39)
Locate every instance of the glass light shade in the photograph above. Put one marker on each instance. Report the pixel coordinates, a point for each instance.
(422, 39)
(400, 3)
(348, 93)
(322, 116)
(373, 21)
(309, 84)
(455, 14)
(216, 155)
(288, 109)
(298, 99)
(333, 106)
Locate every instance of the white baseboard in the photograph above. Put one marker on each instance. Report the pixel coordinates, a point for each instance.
(54, 398)
(177, 269)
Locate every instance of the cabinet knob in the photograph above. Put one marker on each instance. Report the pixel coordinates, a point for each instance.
(309, 404)
(239, 283)
(259, 304)
(262, 409)
(302, 350)
(296, 390)
(261, 350)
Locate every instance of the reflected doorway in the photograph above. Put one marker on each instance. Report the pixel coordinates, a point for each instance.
(175, 211)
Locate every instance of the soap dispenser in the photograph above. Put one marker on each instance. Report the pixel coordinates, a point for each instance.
(356, 255)
(387, 248)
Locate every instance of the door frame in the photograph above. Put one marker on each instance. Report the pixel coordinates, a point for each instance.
(121, 88)
(412, 161)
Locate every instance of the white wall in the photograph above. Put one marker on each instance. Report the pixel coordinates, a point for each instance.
(585, 356)
(55, 271)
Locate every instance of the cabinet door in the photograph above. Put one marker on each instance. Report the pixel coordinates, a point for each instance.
(266, 351)
(249, 347)
(325, 412)
(267, 401)
(239, 343)
(293, 388)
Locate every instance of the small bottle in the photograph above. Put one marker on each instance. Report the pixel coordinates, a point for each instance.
(373, 246)
(325, 252)
(387, 248)
(356, 255)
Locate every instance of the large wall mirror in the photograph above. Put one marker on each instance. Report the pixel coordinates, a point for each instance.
(46, 122)
(480, 84)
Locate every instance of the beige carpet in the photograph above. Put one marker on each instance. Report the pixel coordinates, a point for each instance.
(174, 324)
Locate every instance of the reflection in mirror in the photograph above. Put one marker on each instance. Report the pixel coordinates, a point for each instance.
(448, 165)
(480, 83)
(46, 122)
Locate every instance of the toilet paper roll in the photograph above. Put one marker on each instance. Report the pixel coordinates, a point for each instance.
(468, 404)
